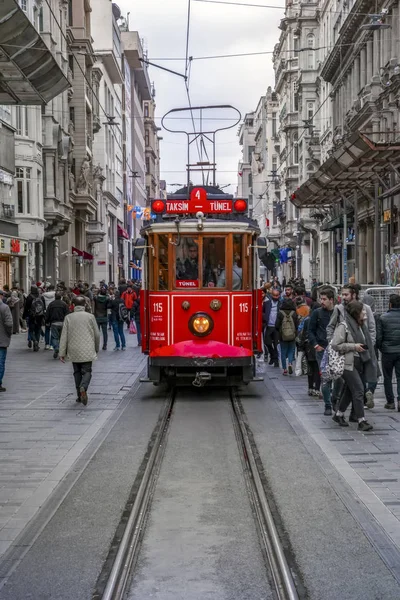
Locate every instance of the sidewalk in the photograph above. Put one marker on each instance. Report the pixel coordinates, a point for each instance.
(43, 430)
(368, 462)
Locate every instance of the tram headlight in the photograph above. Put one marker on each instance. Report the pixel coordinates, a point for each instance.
(201, 324)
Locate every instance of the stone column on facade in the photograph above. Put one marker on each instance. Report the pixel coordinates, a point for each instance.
(370, 251)
(40, 265)
(356, 81)
(394, 53)
(369, 60)
(363, 68)
(362, 257)
(332, 256)
(376, 54)
(57, 259)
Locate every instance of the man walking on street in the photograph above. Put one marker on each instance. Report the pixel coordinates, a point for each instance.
(55, 315)
(6, 329)
(34, 311)
(317, 336)
(388, 342)
(271, 335)
(80, 342)
(101, 304)
(119, 316)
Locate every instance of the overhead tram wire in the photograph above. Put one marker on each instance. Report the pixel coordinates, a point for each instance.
(188, 61)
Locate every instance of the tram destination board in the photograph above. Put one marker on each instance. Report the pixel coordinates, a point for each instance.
(198, 202)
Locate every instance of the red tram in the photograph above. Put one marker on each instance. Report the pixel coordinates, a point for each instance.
(200, 303)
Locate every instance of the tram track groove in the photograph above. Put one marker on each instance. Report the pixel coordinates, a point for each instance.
(129, 546)
(121, 573)
(281, 573)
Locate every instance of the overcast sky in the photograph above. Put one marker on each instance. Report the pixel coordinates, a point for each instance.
(214, 30)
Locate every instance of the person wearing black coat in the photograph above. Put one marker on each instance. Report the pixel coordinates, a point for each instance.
(136, 316)
(270, 311)
(31, 312)
(55, 315)
(314, 378)
(117, 321)
(388, 342)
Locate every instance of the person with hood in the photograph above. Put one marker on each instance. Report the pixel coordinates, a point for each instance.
(119, 316)
(49, 297)
(55, 315)
(101, 304)
(80, 342)
(14, 304)
(286, 325)
(6, 328)
(129, 298)
(34, 310)
(352, 338)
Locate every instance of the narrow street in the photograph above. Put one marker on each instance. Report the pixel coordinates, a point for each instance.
(67, 476)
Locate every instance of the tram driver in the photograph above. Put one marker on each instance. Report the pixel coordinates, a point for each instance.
(189, 269)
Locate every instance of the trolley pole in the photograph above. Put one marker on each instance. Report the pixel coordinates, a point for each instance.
(356, 268)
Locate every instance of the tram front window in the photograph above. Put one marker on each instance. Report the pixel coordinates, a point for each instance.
(213, 261)
(237, 271)
(187, 263)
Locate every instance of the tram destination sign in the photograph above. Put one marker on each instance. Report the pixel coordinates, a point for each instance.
(198, 202)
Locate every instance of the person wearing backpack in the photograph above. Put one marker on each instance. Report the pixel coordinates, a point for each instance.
(35, 310)
(286, 324)
(119, 316)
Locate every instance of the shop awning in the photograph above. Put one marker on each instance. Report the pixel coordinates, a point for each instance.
(29, 73)
(358, 163)
(87, 256)
(122, 232)
(76, 252)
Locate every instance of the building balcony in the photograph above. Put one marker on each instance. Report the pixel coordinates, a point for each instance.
(7, 211)
(57, 215)
(348, 34)
(30, 72)
(134, 54)
(95, 232)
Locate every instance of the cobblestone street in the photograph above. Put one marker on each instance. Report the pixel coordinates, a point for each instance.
(43, 431)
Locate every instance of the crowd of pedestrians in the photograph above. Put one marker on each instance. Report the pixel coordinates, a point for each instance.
(69, 321)
(320, 328)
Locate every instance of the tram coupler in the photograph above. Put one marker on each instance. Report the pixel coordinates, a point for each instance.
(201, 378)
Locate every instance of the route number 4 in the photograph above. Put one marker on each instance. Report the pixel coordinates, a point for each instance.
(198, 195)
(244, 307)
(157, 307)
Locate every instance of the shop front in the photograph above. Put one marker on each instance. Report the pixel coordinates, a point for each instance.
(13, 262)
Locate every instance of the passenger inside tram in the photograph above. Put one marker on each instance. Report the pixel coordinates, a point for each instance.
(237, 274)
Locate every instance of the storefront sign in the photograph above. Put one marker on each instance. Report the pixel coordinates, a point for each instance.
(345, 274)
(101, 262)
(386, 215)
(15, 246)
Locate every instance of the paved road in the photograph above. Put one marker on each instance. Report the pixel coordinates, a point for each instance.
(201, 541)
(43, 431)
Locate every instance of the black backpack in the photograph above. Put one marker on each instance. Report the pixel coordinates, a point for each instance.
(123, 312)
(37, 307)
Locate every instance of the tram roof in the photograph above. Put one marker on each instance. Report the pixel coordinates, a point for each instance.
(223, 224)
(213, 193)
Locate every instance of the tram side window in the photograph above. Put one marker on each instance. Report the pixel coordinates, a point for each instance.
(237, 271)
(187, 263)
(162, 262)
(213, 261)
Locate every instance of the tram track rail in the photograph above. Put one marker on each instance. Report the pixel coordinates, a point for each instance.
(281, 575)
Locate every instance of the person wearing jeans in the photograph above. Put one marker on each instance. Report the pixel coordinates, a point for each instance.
(6, 329)
(101, 304)
(388, 342)
(117, 308)
(136, 316)
(286, 325)
(55, 315)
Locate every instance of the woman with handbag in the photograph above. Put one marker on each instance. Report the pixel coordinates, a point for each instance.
(352, 339)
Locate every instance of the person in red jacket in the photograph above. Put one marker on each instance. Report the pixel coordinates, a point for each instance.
(129, 297)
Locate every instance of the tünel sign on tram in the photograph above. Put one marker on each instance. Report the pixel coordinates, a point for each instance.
(198, 202)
